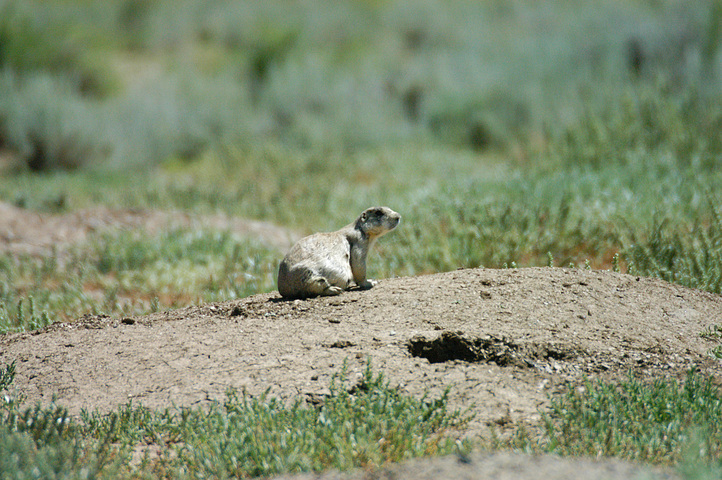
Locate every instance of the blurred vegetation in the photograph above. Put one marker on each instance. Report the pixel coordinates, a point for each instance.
(127, 83)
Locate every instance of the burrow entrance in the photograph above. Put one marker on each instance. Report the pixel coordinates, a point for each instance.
(499, 350)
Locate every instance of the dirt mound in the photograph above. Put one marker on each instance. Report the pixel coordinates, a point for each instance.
(503, 340)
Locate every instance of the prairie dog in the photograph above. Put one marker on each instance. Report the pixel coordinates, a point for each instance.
(327, 263)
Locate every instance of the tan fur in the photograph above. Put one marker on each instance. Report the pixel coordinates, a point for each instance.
(328, 263)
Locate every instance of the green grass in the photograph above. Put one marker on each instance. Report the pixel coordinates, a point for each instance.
(641, 421)
(360, 427)
(7, 376)
(260, 437)
(131, 273)
(714, 333)
(45, 442)
(655, 421)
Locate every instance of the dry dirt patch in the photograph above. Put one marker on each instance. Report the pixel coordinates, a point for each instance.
(503, 340)
(500, 466)
(43, 234)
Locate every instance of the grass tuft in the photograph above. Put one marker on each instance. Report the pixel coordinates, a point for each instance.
(7, 375)
(690, 257)
(370, 426)
(638, 421)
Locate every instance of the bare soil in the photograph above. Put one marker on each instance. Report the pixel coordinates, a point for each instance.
(27, 232)
(503, 340)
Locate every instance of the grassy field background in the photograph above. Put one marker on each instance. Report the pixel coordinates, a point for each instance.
(506, 133)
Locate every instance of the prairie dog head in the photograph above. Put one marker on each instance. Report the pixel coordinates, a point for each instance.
(377, 221)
